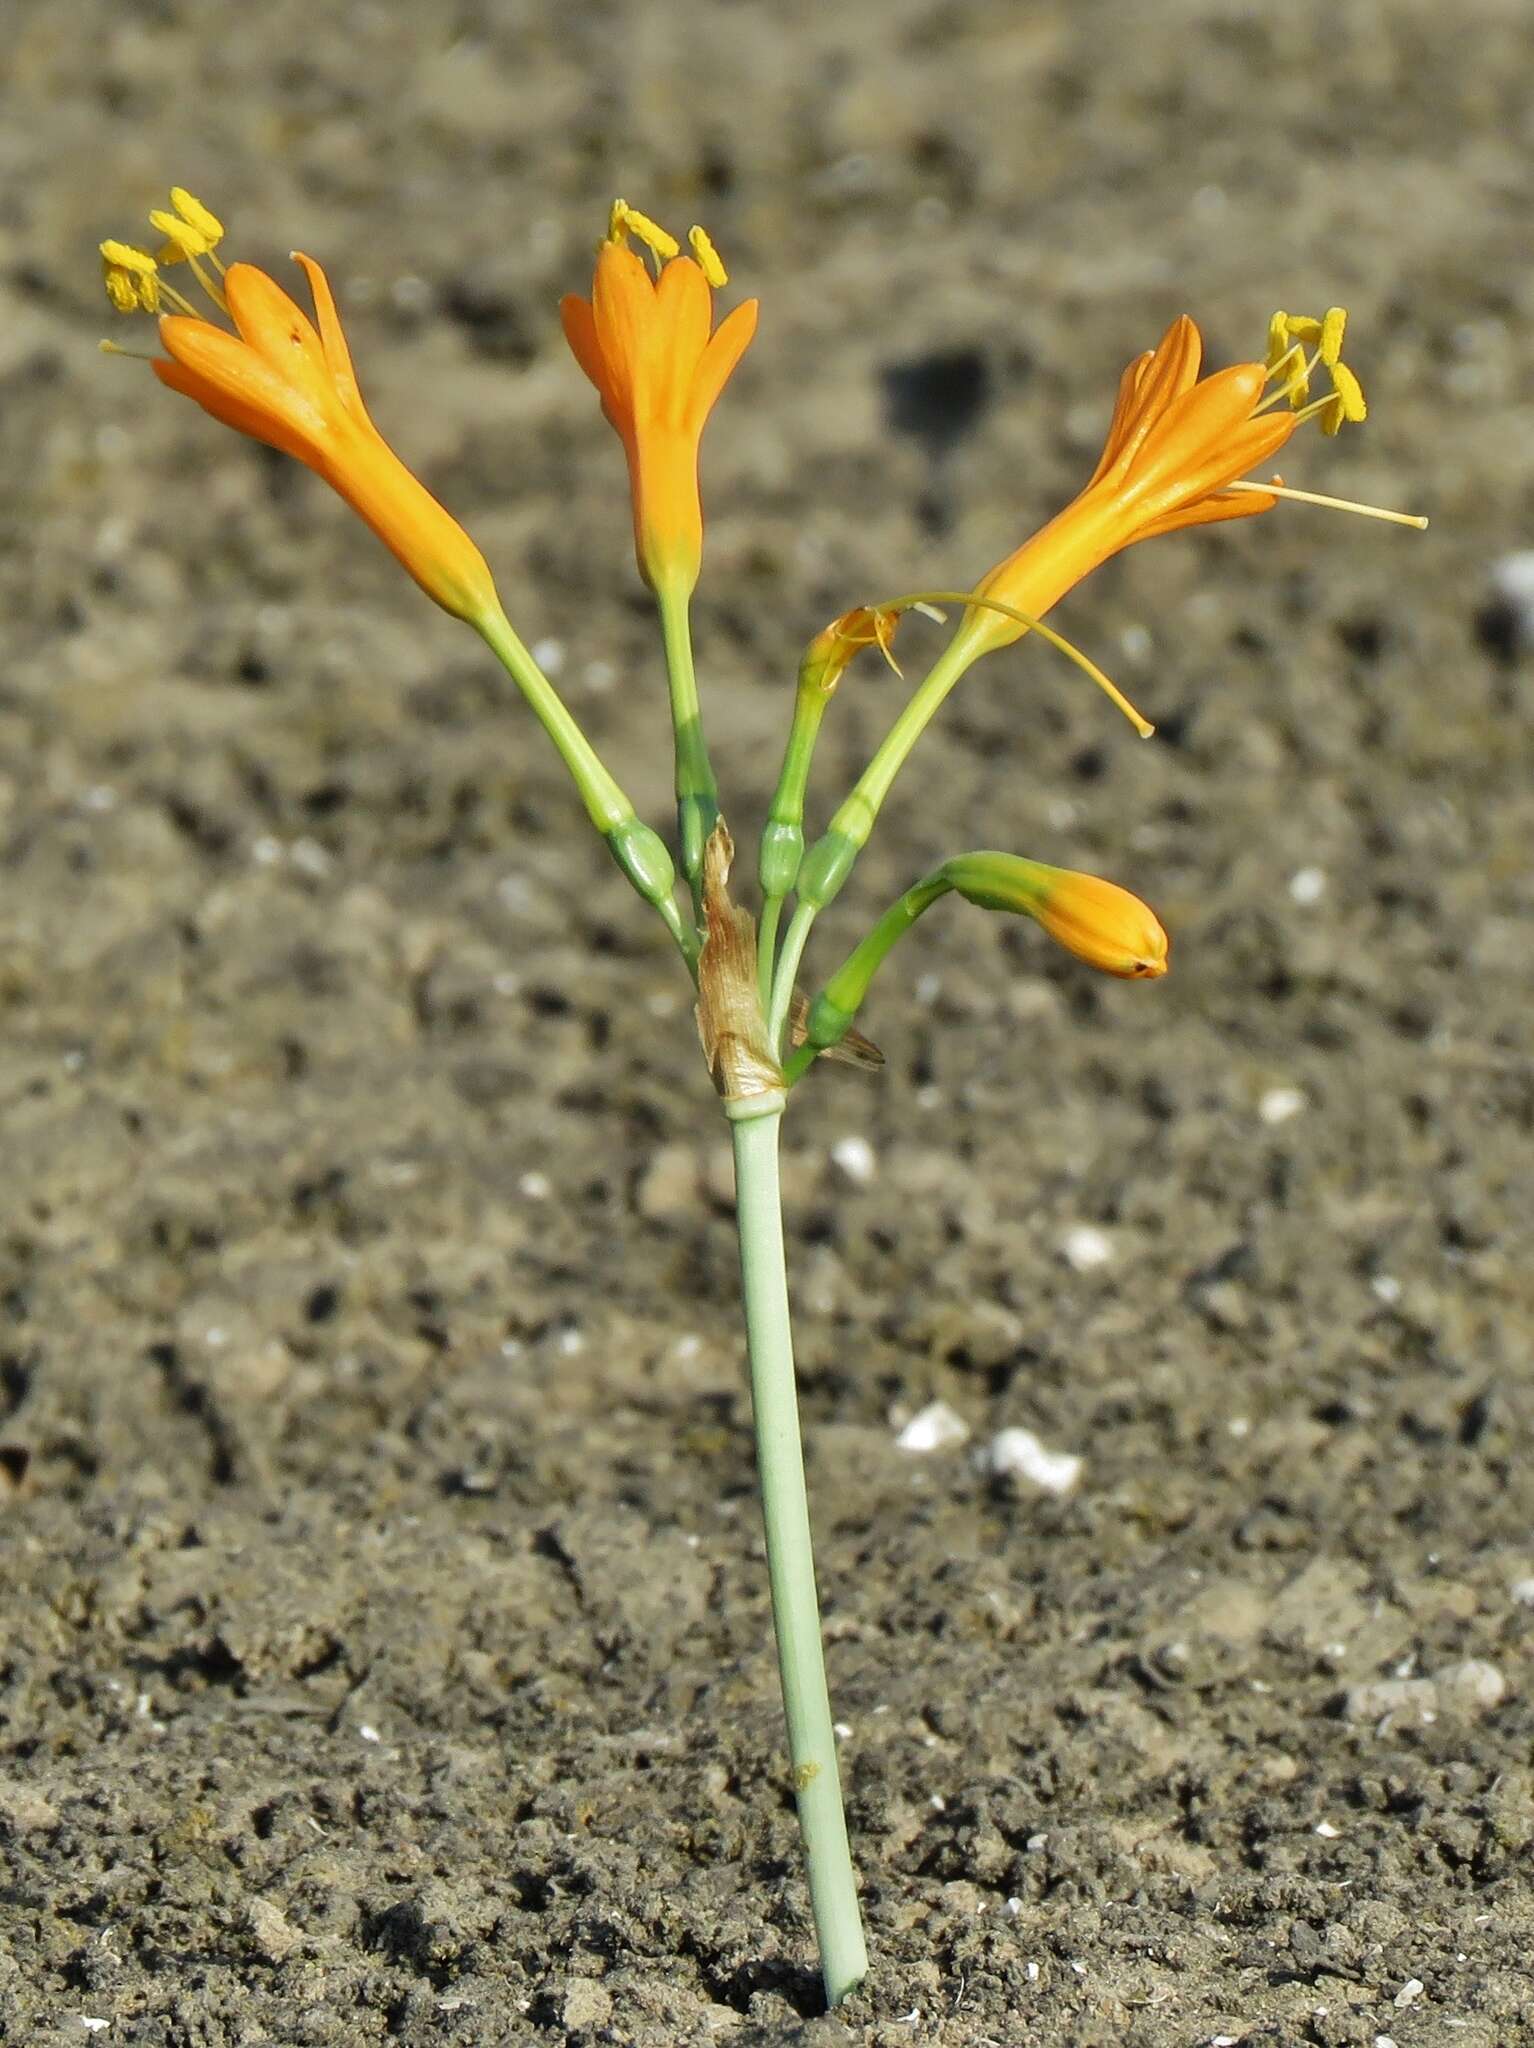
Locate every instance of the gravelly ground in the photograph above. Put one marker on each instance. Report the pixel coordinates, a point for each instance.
(384, 1649)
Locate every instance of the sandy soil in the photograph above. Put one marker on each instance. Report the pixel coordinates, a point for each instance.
(384, 1645)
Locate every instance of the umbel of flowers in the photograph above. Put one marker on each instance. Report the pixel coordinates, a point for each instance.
(1180, 451)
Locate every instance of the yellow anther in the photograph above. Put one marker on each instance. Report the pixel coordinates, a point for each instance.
(708, 258)
(1332, 414)
(182, 240)
(122, 289)
(1303, 328)
(1331, 336)
(197, 216)
(1350, 393)
(123, 256)
(628, 220)
(1278, 339)
(130, 276)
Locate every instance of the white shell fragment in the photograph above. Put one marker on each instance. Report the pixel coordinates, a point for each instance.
(933, 1428)
(1017, 1453)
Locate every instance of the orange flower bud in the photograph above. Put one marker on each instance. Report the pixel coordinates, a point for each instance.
(1096, 920)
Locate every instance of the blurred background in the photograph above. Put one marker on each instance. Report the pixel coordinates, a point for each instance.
(386, 1650)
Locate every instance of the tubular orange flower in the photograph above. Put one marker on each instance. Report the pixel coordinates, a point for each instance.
(647, 347)
(283, 381)
(1177, 447)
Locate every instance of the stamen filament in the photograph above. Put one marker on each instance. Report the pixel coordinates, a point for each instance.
(1294, 381)
(1058, 641)
(181, 301)
(1276, 490)
(209, 285)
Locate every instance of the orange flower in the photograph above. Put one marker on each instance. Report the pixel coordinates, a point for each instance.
(646, 345)
(1176, 449)
(282, 381)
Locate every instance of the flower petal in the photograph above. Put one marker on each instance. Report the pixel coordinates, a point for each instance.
(1170, 374)
(730, 340)
(1124, 410)
(338, 356)
(684, 313)
(622, 305)
(579, 323)
(280, 332)
(228, 379)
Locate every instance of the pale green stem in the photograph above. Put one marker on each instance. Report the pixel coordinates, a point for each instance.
(606, 804)
(697, 794)
(849, 829)
(864, 800)
(766, 945)
(638, 851)
(790, 1561)
(787, 973)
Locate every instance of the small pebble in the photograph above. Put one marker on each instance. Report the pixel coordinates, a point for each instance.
(668, 1187)
(933, 1428)
(1470, 1687)
(587, 2005)
(1085, 1247)
(1386, 1288)
(1409, 1993)
(309, 857)
(1325, 1829)
(855, 1157)
(1277, 1105)
(535, 1186)
(1308, 885)
(1522, 1591)
(1512, 581)
(1017, 1453)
